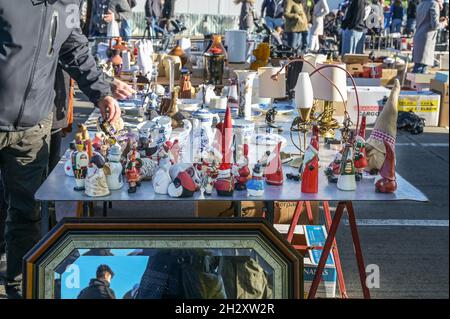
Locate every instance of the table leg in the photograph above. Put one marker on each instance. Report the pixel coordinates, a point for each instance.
(294, 222)
(45, 218)
(237, 209)
(270, 211)
(326, 249)
(105, 209)
(337, 258)
(358, 250)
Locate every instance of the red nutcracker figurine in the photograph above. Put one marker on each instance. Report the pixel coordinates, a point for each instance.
(133, 172)
(310, 171)
(360, 150)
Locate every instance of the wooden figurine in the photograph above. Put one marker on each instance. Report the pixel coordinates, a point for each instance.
(347, 178)
(224, 184)
(388, 181)
(360, 149)
(80, 162)
(133, 171)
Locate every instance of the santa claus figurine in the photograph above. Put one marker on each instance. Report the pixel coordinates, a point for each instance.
(133, 172)
(388, 181)
(182, 186)
(360, 150)
(310, 169)
(243, 172)
(224, 184)
(274, 170)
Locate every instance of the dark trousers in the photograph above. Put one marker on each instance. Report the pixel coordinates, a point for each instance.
(23, 164)
(297, 40)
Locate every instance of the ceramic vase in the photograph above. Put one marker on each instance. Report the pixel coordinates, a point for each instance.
(245, 85)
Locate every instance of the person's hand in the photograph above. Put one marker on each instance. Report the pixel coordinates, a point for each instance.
(109, 17)
(121, 90)
(109, 108)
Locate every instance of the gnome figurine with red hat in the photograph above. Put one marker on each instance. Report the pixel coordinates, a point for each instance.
(242, 171)
(182, 186)
(388, 181)
(360, 150)
(385, 130)
(274, 170)
(224, 183)
(310, 169)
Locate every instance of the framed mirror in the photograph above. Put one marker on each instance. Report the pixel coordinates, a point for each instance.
(170, 259)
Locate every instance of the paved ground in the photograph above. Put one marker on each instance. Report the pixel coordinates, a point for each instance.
(413, 260)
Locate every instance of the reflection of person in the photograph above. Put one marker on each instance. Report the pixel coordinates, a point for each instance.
(99, 287)
(425, 37)
(411, 14)
(104, 12)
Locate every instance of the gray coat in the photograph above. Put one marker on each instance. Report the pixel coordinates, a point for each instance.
(321, 9)
(426, 32)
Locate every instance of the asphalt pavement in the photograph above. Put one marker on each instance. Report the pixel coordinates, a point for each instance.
(408, 242)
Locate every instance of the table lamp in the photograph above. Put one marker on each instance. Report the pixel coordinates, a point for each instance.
(328, 92)
(304, 97)
(270, 89)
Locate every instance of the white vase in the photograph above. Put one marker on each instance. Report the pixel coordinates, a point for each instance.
(245, 84)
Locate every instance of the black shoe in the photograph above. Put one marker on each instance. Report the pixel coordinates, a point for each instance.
(13, 291)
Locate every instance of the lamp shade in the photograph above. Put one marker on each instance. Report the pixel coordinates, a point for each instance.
(269, 88)
(323, 90)
(304, 96)
(314, 59)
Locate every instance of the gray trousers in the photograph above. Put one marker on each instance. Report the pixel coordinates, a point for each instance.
(23, 164)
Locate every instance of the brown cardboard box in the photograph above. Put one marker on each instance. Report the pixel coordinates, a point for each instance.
(355, 69)
(355, 59)
(284, 211)
(442, 89)
(388, 76)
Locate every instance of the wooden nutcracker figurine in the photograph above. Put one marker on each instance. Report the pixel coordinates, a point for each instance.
(80, 163)
(133, 172)
(388, 181)
(310, 168)
(360, 150)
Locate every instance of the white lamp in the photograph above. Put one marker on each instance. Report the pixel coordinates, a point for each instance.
(304, 95)
(323, 89)
(268, 88)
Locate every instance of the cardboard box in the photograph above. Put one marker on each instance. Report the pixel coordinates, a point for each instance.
(371, 102)
(420, 82)
(388, 76)
(425, 104)
(442, 89)
(355, 69)
(355, 58)
(314, 236)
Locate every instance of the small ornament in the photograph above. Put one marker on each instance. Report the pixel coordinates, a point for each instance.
(274, 170)
(243, 172)
(360, 150)
(187, 90)
(113, 169)
(133, 172)
(80, 163)
(224, 184)
(310, 167)
(347, 178)
(162, 180)
(255, 186)
(388, 181)
(333, 170)
(96, 184)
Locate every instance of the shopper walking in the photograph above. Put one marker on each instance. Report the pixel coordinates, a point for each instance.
(353, 27)
(153, 12)
(425, 38)
(321, 9)
(272, 11)
(27, 80)
(296, 25)
(397, 13)
(247, 16)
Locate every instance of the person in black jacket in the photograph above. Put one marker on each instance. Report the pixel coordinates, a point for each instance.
(34, 37)
(99, 287)
(105, 11)
(353, 27)
(153, 12)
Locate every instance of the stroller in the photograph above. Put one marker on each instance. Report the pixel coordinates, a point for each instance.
(331, 39)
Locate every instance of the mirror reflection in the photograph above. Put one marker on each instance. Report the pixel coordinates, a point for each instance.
(164, 274)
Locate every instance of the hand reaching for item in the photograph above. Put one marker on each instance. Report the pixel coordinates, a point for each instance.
(109, 108)
(121, 90)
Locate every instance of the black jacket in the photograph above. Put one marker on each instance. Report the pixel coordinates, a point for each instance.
(98, 289)
(33, 38)
(354, 18)
(153, 9)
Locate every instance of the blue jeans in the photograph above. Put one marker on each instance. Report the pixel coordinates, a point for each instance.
(126, 29)
(411, 25)
(272, 23)
(396, 25)
(420, 68)
(350, 41)
(297, 40)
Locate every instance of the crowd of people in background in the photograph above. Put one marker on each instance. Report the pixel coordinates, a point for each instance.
(300, 24)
